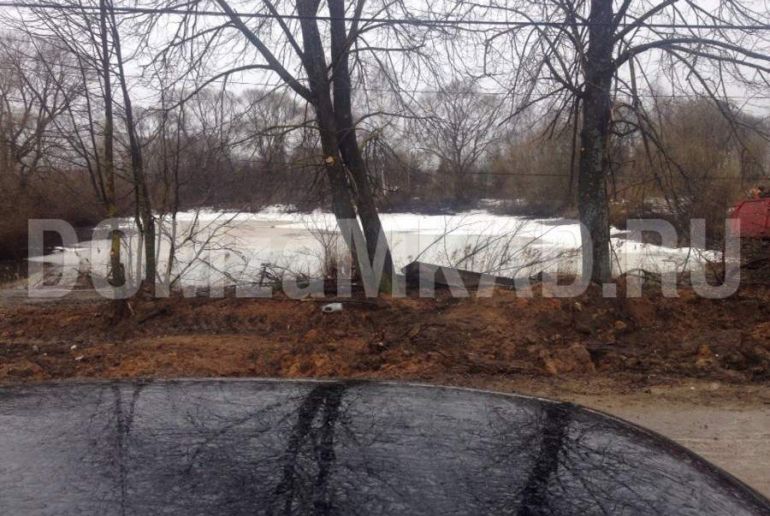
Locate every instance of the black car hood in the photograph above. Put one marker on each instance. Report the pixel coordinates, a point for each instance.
(309, 447)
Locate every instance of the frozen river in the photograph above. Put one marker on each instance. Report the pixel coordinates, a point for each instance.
(219, 248)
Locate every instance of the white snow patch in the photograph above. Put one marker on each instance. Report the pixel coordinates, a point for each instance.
(219, 247)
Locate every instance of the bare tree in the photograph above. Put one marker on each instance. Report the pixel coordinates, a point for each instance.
(533, 165)
(313, 55)
(107, 176)
(458, 128)
(94, 116)
(144, 216)
(700, 166)
(37, 86)
(269, 117)
(91, 34)
(597, 58)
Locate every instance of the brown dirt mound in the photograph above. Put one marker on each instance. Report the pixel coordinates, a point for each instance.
(442, 340)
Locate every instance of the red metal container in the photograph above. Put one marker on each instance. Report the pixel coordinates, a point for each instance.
(754, 218)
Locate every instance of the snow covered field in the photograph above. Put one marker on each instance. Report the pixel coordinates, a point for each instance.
(216, 248)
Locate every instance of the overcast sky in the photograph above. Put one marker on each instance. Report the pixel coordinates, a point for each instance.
(451, 54)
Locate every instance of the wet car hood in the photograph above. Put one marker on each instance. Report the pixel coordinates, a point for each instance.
(293, 447)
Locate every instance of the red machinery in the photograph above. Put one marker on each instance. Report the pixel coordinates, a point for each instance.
(754, 218)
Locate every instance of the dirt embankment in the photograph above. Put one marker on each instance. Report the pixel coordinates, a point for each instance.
(475, 341)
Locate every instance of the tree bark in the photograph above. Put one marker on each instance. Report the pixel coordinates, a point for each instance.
(314, 63)
(348, 143)
(117, 271)
(597, 106)
(142, 195)
(351, 193)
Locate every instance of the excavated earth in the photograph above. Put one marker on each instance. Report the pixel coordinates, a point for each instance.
(628, 342)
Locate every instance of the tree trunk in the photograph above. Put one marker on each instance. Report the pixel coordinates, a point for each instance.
(142, 195)
(592, 186)
(462, 188)
(348, 143)
(117, 277)
(342, 204)
(314, 63)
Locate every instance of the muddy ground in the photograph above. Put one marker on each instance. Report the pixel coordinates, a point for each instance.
(634, 342)
(697, 370)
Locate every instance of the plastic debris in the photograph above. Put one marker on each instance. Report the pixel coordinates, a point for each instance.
(331, 307)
